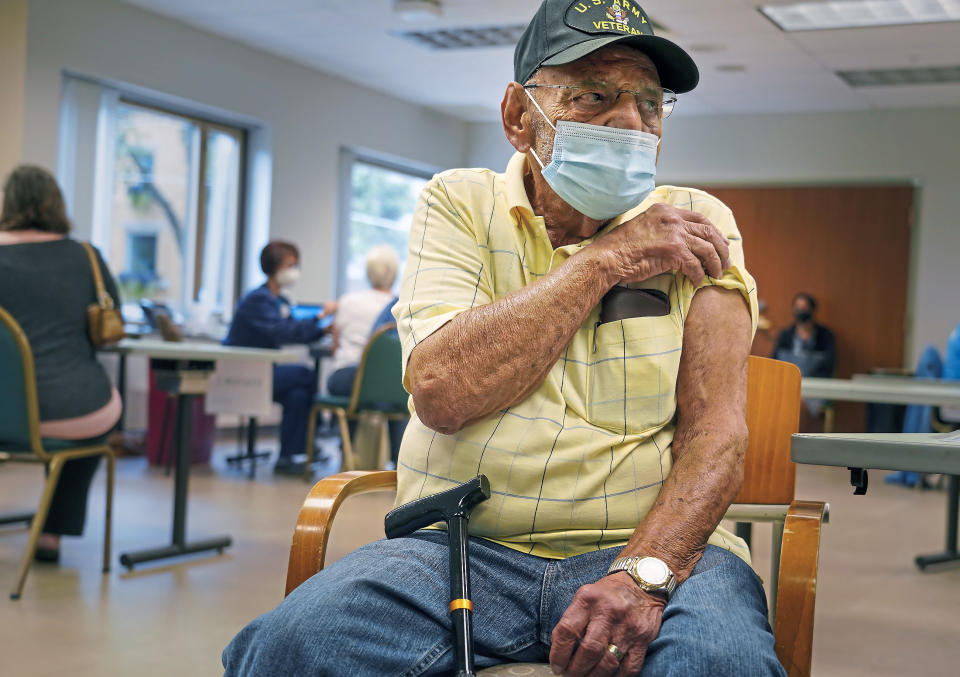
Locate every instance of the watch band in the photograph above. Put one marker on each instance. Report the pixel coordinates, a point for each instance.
(627, 564)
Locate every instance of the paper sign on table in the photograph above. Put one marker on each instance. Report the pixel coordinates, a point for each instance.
(241, 388)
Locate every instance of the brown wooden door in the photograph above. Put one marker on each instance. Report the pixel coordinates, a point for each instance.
(850, 248)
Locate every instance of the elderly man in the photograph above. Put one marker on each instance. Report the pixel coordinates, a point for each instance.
(611, 425)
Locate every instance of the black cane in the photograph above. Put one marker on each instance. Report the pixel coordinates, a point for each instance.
(453, 507)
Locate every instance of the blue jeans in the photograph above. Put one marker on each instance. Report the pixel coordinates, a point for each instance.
(294, 388)
(382, 610)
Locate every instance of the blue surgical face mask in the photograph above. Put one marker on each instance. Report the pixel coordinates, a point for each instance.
(601, 172)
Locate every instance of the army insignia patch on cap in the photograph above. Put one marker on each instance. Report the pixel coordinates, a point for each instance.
(608, 16)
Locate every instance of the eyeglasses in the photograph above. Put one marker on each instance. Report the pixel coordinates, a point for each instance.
(654, 104)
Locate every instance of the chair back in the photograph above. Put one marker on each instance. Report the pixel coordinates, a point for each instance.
(19, 410)
(378, 384)
(773, 415)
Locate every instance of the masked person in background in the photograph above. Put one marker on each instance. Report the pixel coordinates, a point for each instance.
(812, 348)
(263, 320)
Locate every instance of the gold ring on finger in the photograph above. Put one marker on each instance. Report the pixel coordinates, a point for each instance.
(615, 650)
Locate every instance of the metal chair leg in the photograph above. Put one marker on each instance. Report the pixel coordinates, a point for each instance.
(776, 545)
(345, 444)
(108, 526)
(25, 517)
(241, 435)
(384, 454)
(39, 519)
(311, 438)
(829, 418)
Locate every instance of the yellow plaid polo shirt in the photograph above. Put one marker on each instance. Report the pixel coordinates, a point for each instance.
(578, 464)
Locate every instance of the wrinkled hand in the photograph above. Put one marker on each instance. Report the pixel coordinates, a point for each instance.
(614, 610)
(666, 238)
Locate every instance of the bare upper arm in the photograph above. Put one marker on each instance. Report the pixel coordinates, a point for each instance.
(712, 378)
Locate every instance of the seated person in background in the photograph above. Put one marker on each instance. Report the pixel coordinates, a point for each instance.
(355, 315)
(262, 320)
(918, 418)
(613, 449)
(807, 344)
(358, 315)
(811, 347)
(46, 284)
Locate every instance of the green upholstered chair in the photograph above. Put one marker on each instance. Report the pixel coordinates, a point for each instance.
(377, 389)
(20, 439)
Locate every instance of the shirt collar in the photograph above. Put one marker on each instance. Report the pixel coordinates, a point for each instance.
(517, 200)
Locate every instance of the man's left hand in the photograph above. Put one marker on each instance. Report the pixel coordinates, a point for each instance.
(614, 610)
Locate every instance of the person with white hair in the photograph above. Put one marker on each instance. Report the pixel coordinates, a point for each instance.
(359, 314)
(356, 315)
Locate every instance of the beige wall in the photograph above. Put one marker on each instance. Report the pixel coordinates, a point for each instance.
(13, 62)
(920, 146)
(309, 114)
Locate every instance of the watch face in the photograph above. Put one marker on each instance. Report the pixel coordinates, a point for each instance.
(652, 570)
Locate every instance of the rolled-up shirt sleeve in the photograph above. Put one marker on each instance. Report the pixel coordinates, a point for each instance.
(447, 269)
(736, 277)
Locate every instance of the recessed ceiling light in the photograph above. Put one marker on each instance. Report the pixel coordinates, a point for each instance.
(890, 77)
(815, 16)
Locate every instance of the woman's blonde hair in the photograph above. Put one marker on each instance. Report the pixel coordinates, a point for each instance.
(382, 264)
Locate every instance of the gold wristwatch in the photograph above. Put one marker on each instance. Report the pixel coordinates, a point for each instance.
(650, 573)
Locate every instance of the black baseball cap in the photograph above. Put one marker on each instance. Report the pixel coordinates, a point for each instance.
(563, 31)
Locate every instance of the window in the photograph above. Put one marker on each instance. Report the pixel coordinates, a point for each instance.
(142, 254)
(380, 197)
(175, 209)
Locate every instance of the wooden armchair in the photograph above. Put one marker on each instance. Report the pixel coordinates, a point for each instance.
(767, 495)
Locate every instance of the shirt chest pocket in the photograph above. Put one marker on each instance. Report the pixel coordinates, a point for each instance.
(632, 376)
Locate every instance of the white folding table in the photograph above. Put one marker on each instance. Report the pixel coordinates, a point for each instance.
(884, 390)
(919, 452)
(183, 369)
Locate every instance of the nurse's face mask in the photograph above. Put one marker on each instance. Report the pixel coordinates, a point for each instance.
(288, 277)
(600, 171)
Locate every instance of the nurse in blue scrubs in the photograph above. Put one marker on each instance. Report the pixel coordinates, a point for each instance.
(263, 320)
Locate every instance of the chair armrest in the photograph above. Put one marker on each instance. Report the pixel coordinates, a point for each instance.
(797, 589)
(310, 536)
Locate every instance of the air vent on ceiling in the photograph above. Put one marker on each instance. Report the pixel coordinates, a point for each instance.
(889, 77)
(485, 36)
(465, 38)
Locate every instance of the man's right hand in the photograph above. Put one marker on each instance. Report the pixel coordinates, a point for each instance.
(665, 238)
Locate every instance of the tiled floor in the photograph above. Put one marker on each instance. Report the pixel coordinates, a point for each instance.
(876, 614)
